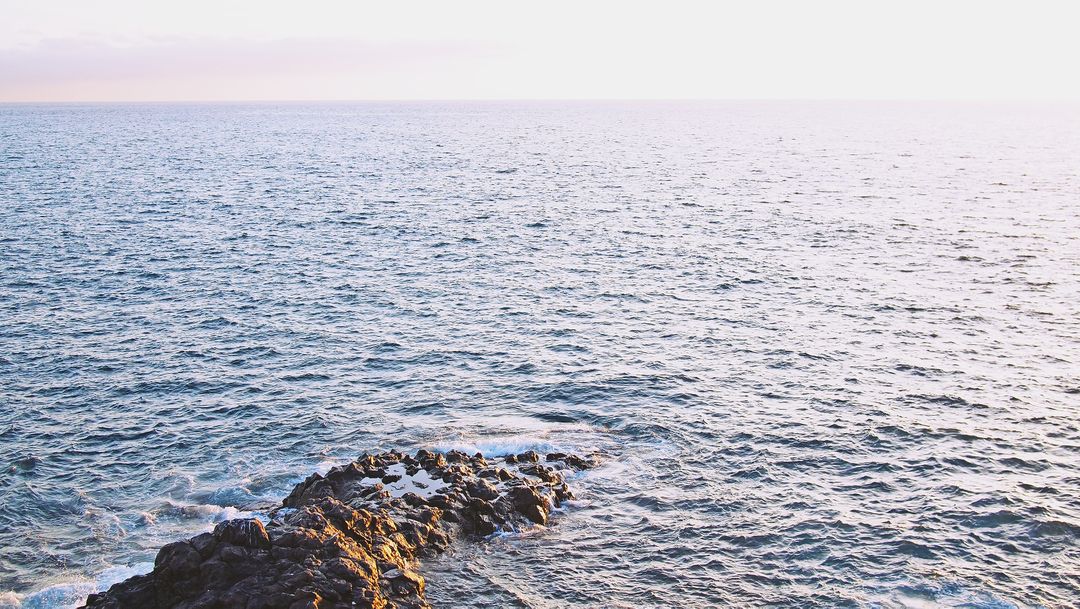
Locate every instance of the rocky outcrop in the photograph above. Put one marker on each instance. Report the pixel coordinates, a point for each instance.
(350, 539)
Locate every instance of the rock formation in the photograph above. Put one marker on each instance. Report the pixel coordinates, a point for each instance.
(351, 538)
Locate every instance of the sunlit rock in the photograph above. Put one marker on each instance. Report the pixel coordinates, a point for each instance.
(350, 539)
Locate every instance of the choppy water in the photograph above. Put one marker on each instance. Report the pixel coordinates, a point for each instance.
(830, 351)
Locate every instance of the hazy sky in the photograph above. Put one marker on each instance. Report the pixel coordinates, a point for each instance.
(444, 49)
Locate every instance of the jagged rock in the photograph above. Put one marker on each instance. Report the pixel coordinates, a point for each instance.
(573, 461)
(350, 538)
(248, 533)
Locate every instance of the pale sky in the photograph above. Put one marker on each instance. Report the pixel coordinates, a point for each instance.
(75, 50)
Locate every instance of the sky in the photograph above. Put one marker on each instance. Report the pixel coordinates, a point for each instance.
(138, 50)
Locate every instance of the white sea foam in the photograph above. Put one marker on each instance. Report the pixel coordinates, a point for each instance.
(325, 466)
(212, 514)
(70, 595)
(232, 495)
(510, 435)
(944, 596)
(420, 483)
(500, 446)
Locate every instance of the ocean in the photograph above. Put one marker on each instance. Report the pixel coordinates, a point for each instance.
(828, 353)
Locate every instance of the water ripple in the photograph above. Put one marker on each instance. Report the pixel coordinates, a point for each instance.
(828, 350)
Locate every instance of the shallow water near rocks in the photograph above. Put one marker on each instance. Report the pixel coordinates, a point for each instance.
(829, 351)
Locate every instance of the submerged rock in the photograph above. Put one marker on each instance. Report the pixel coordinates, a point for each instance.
(350, 539)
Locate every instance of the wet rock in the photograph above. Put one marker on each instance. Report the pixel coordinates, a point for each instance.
(573, 461)
(544, 473)
(243, 532)
(528, 502)
(178, 560)
(342, 540)
(529, 456)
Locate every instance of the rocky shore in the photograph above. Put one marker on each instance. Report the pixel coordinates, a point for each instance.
(352, 538)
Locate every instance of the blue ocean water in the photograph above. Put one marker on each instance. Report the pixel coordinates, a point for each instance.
(829, 352)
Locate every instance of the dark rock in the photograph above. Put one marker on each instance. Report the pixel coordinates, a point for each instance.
(481, 488)
(544, 473)
(529, 456)
(178, 560)
(203, 544)
(247, 532)
(456, 456)
(573, 461)
(526, 501)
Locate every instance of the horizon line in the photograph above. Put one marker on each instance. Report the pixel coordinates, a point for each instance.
(999, 100)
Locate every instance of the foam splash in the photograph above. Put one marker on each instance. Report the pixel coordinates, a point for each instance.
(420, 483)
(944, 596)
(70, 595)
(211, 513)
(73, 594)
(324, 466)
(501, 446)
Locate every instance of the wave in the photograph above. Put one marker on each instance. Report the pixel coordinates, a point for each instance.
(500, 446)
(73, 594)
(948, 595)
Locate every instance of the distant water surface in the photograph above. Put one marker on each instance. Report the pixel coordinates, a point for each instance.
(830, 351)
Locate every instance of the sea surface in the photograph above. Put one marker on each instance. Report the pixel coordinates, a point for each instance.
(828, 352)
